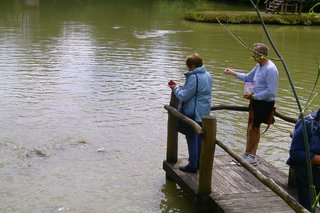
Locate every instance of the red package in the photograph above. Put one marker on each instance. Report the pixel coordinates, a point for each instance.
(171, 82)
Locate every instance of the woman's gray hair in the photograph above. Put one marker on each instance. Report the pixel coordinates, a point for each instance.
(261, 48)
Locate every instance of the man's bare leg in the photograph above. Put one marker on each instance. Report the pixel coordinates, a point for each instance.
(253, 138)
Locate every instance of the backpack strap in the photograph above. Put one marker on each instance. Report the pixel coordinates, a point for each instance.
(270, 119)
(195, 99)
(266, 129)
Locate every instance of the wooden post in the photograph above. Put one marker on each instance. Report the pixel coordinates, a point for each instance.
(174, 101)
(209, 126)
(285, 8)
(300, 6)
(172, 137)
(266, 6)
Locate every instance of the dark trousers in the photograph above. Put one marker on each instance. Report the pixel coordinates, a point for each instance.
(194, 148)
(302, 185)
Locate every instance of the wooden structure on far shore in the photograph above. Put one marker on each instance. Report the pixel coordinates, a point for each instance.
(219, 185)
(283, 6)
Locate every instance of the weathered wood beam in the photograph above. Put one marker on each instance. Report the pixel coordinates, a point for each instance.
(196, 127)
(291, 201)
(246, 109)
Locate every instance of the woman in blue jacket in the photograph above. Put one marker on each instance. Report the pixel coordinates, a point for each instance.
(195, 102)
(298, 158)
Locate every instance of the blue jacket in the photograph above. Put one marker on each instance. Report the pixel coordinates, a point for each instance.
(187, 93)
(297, 150)
(265, 81)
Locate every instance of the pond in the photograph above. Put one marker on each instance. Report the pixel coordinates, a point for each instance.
(82, 90)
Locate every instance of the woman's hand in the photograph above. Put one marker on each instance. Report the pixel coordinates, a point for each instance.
(172, 84)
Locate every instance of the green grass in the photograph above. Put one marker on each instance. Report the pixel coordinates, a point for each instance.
(239, 17)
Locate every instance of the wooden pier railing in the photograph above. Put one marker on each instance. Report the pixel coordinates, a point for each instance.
(200, 185)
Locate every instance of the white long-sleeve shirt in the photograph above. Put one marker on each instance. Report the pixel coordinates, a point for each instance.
(266, 80)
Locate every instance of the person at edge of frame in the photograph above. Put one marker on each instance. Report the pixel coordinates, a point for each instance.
(298, 157)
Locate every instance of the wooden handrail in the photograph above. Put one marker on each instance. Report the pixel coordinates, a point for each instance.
(246, 109)
(172, 108)
(196, 127)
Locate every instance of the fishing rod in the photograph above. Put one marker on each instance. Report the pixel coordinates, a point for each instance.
(238, 70)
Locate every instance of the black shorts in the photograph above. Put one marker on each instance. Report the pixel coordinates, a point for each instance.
(261, 110)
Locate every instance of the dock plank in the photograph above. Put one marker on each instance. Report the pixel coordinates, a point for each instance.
(233, 188)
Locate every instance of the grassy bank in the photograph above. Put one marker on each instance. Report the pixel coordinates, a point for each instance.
(239, 17)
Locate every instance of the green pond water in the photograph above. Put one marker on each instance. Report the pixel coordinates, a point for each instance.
(85, 83)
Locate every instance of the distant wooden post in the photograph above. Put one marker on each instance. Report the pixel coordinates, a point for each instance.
(172, 136)
(209, 126)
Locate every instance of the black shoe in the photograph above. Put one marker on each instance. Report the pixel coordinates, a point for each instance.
(188, 168)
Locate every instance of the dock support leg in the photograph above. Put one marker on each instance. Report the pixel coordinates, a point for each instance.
(172, 133)
(172, 140)
(209, 126)
(202, 204)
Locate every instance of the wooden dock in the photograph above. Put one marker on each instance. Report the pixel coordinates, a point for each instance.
(223, 186)
(233, 188)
